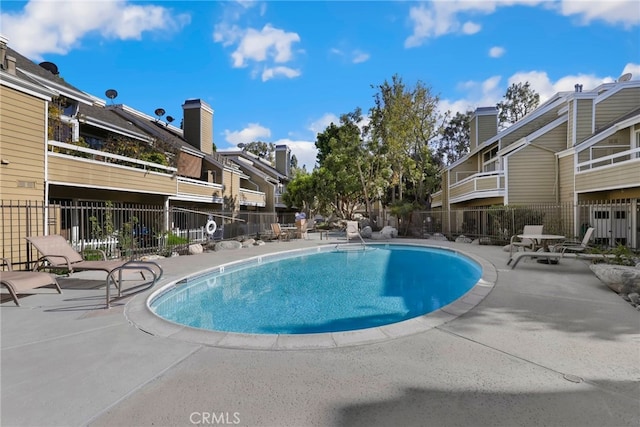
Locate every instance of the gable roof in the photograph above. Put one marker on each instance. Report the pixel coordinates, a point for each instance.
(29, 70)
(163, 132)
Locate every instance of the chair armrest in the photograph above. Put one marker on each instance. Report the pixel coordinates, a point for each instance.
(5, 261)
(42, 263)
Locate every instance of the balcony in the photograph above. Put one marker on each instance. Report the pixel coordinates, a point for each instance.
(619, 170)
(478, 186)
(252, 198)
(199, 191)
(71, 165)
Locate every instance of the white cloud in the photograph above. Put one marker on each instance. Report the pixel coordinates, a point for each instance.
(634, 69)
(270, 73)
(435, 19)
(253, 132)
(470, 28)
(359, 57)
(57, 27)
(321, 124)
(268, 43)
(488, 92)
(496, 51)
(613, 12)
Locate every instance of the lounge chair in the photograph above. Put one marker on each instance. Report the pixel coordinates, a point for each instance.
(525, 244)
(574, 246)
(57, 254)
(352, 230)
(278, 232)
(18, 282)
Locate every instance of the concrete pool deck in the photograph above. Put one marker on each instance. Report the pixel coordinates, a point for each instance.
(549, 345)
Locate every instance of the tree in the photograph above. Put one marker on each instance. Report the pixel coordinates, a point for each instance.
(300, 192)
(403, 122)
(261, 149)
(519, 100)
(454, 142)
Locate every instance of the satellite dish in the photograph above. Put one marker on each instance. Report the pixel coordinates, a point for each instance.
(159, 112)
(111, 94)
(625, 77)
(170, 119)
(50, 66)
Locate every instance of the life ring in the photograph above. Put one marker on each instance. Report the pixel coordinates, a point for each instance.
(211, 227)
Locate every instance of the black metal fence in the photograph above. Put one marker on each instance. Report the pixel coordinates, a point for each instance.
(614, 222)
(133, 230)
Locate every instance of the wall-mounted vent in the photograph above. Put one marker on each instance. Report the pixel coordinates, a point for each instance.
(26, 184)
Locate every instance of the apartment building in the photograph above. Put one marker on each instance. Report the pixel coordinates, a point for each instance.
(59, 144)
(578, 146)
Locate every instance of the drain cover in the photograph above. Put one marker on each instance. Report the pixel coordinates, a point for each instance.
(572, 378)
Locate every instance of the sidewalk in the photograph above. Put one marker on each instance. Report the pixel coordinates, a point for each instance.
(550, 345)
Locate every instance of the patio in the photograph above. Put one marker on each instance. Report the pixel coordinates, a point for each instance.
(550, 345)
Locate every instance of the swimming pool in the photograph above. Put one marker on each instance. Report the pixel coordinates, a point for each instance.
(325, 289)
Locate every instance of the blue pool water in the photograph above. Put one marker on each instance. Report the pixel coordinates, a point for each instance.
(322, 291)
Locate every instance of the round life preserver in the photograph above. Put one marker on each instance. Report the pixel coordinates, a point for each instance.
(211, 227)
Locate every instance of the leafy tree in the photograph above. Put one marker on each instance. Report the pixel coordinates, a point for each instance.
(454, 142)
(265, 150)
(519, 100)
(301, 193)
(403, 122)
(323, 142)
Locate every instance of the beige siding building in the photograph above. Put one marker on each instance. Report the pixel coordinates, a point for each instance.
(578, 146)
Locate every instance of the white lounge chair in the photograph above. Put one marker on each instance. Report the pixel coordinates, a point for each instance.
(574, 247)
(525, 244)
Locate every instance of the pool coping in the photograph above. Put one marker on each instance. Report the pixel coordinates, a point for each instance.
(138, 312)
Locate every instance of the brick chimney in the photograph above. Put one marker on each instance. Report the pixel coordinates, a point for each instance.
(283, 159)
(197, 125)
(484, 125)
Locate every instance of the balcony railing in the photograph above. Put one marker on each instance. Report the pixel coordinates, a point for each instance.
(104, 157)
(621, 157)
(252, 197)
(477, 186)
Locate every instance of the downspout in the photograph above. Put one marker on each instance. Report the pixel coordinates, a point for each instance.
(46, 168)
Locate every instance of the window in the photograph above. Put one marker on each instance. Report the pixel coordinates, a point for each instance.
(490, 160)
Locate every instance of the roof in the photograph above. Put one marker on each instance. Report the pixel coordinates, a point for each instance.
(257, 162)
(104, 118)
(29, 70)
(161, 131)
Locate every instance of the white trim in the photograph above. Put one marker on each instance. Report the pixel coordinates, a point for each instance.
(478, 195)
(605, 158)
(100, 187)
(108, 126)
(195, 198)
(505, 167)
(212, 185)
(62, 90)
(24, 86)
(574, 125)
(608, 132)
(593, 190)
(64, 145)
(613, 88)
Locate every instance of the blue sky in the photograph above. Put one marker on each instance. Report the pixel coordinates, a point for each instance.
(281, 71)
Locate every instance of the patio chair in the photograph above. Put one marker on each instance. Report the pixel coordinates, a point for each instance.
(525, 244)
(352, 230)
(278, 232)
(18, 282)
(575, 246)
(57, 254)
